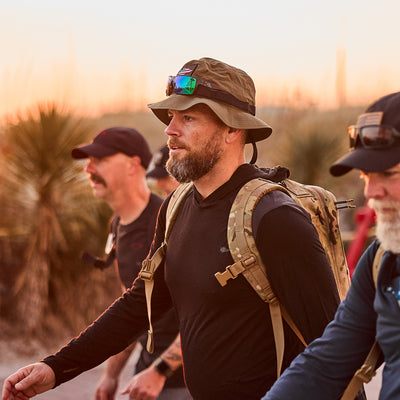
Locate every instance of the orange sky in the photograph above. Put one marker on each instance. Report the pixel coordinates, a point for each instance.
(107, 56)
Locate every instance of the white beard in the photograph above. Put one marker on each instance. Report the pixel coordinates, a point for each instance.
(387, 224)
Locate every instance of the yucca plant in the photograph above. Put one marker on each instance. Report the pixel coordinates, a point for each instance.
(49, 207)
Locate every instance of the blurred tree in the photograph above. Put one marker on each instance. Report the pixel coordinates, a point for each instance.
(49, 208)
(308, 141)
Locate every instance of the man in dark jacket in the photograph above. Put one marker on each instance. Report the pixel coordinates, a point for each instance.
(226, 334)
(367, 314)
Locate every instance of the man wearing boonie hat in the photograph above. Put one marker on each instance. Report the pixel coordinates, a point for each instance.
(226, 333)
(371, 310)
(158, 171)
(117, 160)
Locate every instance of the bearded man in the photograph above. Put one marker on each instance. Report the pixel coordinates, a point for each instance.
(367, 314)
(226, 332)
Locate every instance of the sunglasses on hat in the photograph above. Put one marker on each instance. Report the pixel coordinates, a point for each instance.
(188, 85)
(373, 136)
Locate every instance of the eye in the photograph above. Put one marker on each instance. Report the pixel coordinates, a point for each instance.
(389, 174)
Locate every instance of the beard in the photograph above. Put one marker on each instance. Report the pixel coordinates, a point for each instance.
(387, 224)
(198, 161)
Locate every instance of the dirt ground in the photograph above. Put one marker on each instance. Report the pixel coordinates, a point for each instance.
(80, 388)
(83, 386)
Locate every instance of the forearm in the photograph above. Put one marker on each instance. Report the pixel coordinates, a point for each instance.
(149, 383)
(111, 333)
(172, 355)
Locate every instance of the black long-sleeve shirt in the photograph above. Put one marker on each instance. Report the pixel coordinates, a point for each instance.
(227, 342)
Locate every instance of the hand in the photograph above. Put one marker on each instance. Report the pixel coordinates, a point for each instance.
(106, 388)
(29, 381)
(145, 385)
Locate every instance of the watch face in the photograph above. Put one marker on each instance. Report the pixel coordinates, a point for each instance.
(163, 368)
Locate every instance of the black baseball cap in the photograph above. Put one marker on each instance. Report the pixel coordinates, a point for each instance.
(385, 111)
(116, 140)
(157, 168)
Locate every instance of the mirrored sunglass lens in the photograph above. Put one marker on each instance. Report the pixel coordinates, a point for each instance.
(376, 136)
(184, 84)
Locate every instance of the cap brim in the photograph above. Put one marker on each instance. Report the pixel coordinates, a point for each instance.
(229, 115)
(368, 160)
(92, 150)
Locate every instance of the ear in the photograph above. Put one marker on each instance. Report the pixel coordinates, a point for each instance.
(134, 164)
(234, 134)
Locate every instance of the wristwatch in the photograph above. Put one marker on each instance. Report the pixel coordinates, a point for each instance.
(162, 367)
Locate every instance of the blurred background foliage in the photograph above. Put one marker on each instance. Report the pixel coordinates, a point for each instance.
(49, 214)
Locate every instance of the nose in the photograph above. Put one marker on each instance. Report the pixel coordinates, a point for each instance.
(90, 167)
(374, 187)
(172, 129)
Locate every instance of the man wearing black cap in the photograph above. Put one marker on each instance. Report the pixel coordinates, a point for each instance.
(226, 332)
(371, 310)
(117, 161)
(158, 171)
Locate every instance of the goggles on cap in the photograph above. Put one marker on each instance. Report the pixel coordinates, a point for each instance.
(188, 85)
(373, 136)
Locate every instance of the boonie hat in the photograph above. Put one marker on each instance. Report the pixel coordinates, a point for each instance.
(376, 138)
(227, 90)
(116, 140)
(157, 168)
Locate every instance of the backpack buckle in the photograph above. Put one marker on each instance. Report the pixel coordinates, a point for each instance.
(234, 270)
(147, 272)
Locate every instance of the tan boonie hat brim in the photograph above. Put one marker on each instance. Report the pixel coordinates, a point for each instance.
(229, 115)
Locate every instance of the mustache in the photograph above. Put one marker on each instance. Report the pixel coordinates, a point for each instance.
(175, 143)
(97, 179)
(379, 205)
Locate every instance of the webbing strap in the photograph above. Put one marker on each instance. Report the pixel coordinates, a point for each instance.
(150, 266)
(292, 325)
(279, 337)
(364, 374)
(368, 369)
(377, 263)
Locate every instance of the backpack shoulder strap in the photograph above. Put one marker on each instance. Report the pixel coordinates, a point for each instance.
(150, 265)
(368, 369)
(248, 260)
(376, 265)
(174, 204)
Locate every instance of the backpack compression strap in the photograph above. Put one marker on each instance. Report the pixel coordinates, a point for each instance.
(248, 261)
(368, 369)
(150, 265)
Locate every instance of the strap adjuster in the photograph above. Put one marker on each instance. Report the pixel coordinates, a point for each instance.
(147, 272)
(366, 373)
(234, 270)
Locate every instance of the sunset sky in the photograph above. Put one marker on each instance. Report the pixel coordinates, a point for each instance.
(97, 56)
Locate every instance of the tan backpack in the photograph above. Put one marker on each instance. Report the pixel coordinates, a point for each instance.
(322, 208)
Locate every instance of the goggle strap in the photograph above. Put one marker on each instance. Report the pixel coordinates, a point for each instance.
(225, 97)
